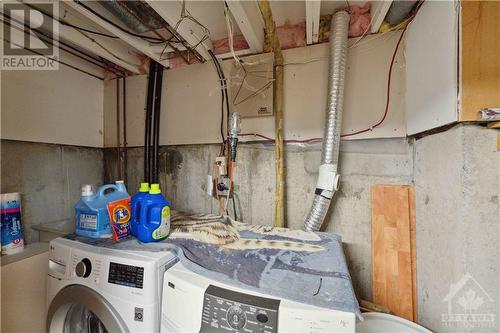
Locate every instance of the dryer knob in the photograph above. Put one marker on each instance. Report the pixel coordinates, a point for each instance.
(83, 268)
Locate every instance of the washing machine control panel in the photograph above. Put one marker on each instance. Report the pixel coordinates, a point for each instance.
(230, 311)
(126, 275)
(83, 268)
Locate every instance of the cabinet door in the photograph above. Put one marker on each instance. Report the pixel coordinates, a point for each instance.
(432, 67)
(480, 57)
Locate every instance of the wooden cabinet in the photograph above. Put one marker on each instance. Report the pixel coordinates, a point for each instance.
(452, 63)
(480, 61)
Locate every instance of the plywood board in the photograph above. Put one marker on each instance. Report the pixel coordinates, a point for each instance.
(413, 248)
(480, 57)
(431, 67)
(393, 258)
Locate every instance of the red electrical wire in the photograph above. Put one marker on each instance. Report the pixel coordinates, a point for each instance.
(387, 103)
(386, 111)
(266, 138)
(388, 92)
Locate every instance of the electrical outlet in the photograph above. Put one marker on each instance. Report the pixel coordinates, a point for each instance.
(222, 186)
(221, 163)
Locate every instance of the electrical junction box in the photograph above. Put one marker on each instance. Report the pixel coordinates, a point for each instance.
(251, 85)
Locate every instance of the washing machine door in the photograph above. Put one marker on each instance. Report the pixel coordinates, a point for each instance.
(78, 309)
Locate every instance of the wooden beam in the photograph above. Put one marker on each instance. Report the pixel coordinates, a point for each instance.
(193, 33)
(312, 21)
(110, 50)
(249, 20)
(378, 12)
(230, 55)
(137, 43)
(272, 42)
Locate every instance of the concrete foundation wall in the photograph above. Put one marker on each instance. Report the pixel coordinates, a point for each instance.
(456, 175)
(49, 178)
(184, 171)
(457, 179)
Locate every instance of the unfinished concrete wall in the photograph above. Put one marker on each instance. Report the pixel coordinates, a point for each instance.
(184, 171)
(457, 179)
(49, 177)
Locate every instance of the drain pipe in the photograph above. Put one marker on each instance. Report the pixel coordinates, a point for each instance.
(328, 179)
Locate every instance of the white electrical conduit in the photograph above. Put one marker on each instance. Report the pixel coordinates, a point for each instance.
(328, 179)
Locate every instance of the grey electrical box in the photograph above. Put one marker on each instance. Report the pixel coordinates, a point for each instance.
(251, 85)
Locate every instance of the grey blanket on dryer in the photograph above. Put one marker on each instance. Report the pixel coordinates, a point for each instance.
(301, 266)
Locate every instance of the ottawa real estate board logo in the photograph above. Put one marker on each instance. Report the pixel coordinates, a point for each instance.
(30, 35)
(469, 307)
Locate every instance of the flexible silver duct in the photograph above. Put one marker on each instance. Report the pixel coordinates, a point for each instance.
(328, 178)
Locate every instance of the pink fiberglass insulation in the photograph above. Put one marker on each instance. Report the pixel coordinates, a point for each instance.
(222, 45)
(360, 19)
(290, 36)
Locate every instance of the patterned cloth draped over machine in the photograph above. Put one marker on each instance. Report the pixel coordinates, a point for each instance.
(302, 266)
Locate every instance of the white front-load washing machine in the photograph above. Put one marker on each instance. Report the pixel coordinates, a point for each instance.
(97, 289)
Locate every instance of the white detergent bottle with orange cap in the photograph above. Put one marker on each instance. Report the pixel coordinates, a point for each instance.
(154, 222)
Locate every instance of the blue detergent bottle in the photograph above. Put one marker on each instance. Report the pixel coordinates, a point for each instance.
(136, 204)
(154, 224)
(92, 219)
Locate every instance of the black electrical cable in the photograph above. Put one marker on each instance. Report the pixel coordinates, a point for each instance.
(56, 60)
(156, 121)
(222, 103)
(117, 25)
(71, 25)
(148, 118)
(225, 98)
(234, 207)
(48, 39)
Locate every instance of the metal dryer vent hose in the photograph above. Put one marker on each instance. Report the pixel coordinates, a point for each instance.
(328, 179)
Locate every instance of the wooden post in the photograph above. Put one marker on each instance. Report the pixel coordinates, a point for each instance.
(272, 43)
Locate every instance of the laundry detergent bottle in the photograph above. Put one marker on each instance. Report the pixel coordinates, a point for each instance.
(154, 223)
(92, 219)
(136, 204)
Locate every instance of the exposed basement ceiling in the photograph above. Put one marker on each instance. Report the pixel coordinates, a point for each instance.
(203, 28)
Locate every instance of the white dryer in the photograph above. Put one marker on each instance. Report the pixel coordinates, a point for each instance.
(194, 303)
(97, 289)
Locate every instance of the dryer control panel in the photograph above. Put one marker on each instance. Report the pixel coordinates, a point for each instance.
(229, 311)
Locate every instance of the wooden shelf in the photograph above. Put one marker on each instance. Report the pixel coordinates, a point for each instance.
(30, 250)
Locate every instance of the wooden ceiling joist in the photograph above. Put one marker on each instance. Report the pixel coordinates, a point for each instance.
(137, 43)
(313, 8)
(193, 33)
(249, 19)
(110, 50)
(378, 12)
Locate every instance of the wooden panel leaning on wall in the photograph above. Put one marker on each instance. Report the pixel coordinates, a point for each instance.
(480, 86)
(393, 249)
